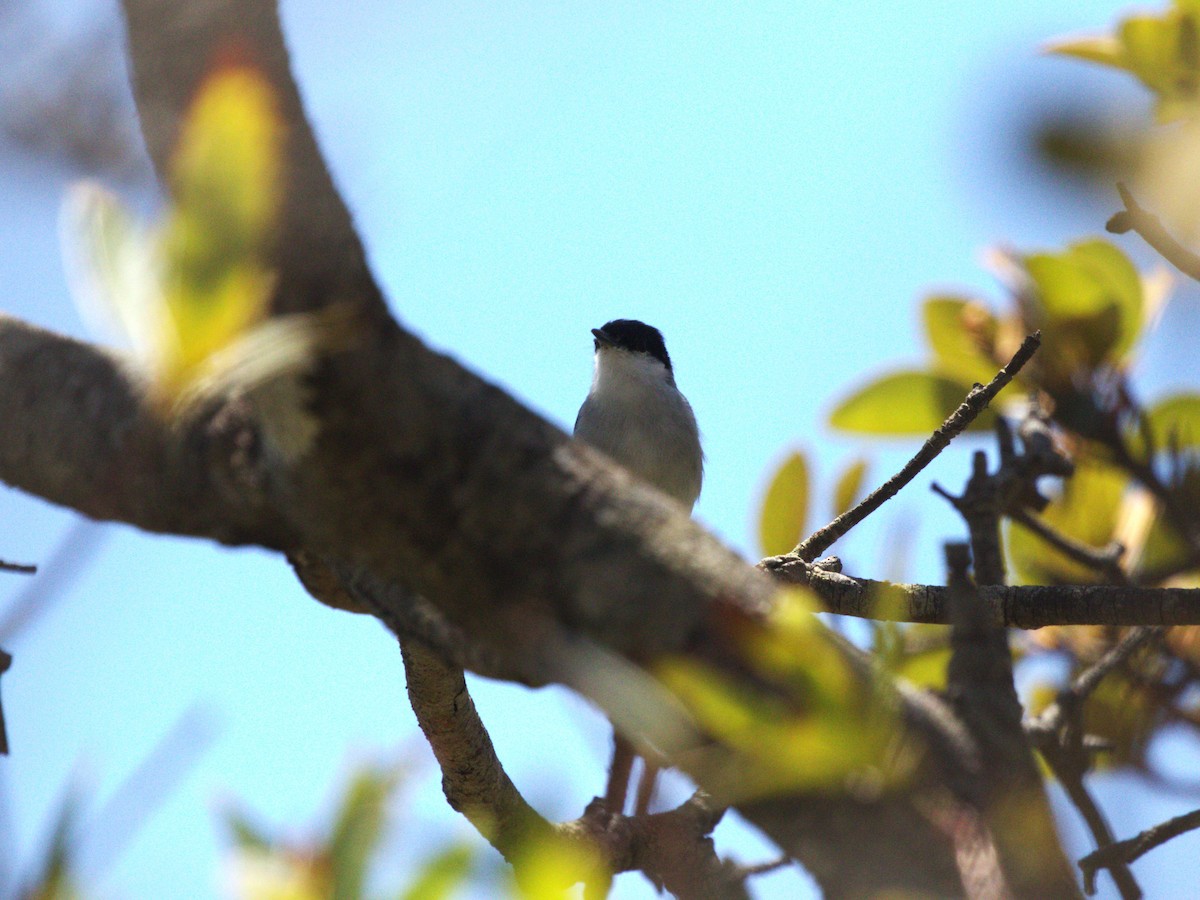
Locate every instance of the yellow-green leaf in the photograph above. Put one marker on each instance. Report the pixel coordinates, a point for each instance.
(1090, 298)
(1162, 51)
(1175, 421)
(442, 875)
(785, 507)
(1103, 49)
(358, 828)
(227, 184)
(849, 485)
(904, 404)
(955, 350)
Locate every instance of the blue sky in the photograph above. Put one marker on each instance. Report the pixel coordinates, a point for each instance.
(774, 185)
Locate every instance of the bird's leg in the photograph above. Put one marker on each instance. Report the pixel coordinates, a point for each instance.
(618, 774)
(646, 785)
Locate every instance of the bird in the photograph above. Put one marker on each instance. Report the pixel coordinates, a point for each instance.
(635, 414)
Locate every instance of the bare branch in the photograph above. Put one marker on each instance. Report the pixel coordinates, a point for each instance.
(976, 402)
(1058, 734)
(1105, 561)
(1136, 218)
(1124, 852)
(1022, 606)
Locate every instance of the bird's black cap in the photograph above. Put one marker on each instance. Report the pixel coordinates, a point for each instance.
(635, 336)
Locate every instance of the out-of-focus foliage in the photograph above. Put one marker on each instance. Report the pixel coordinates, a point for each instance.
(56, 877)
(546, 867)
(191, 295)
(1131, 509)
(1088, 301)
(191, 289)
(918, 653)
(810, 723)
(1162, 51)
(784, 513)
(337, 866)
(442, 875)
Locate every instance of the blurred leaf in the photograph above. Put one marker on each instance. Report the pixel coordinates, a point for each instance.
(849, 486)
(56, 877)
(1091, 298)
(1161, 51)
(227, 185)
(358, 829)
(256, 874)
(441, 875)
(917, 653)
(1086, 510)
(547, 868)
(952, 325)
(927, 669)
(785, 507)
(904, 404)
(1103, 49)
(246, 835)
(1125, 715)
(115, 269)
(1163, 549)
(1175, 420)
(816, 726)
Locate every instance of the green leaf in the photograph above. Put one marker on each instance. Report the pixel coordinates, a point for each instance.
(904, 404)
(1162, 51)
(849, 485)
(785, 507)
(1175, 421)
(955, 350)
(926, 668)
(441, 875)
(1090, 298)
(812, 726)
(227, 186)
(358, 829)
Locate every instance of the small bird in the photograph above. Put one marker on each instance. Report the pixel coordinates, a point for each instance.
(636, 415)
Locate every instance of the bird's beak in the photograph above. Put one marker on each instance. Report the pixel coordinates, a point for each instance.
(602, 338)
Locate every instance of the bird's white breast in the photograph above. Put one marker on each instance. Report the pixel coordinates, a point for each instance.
(635, 415)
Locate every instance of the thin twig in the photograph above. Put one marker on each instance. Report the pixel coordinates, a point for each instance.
(1126, 851)
(975, 402)
(1062, 743)
(1088, 680)
(1106, 560)
(18, 568)
(1134, 217)
(1102, 834)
